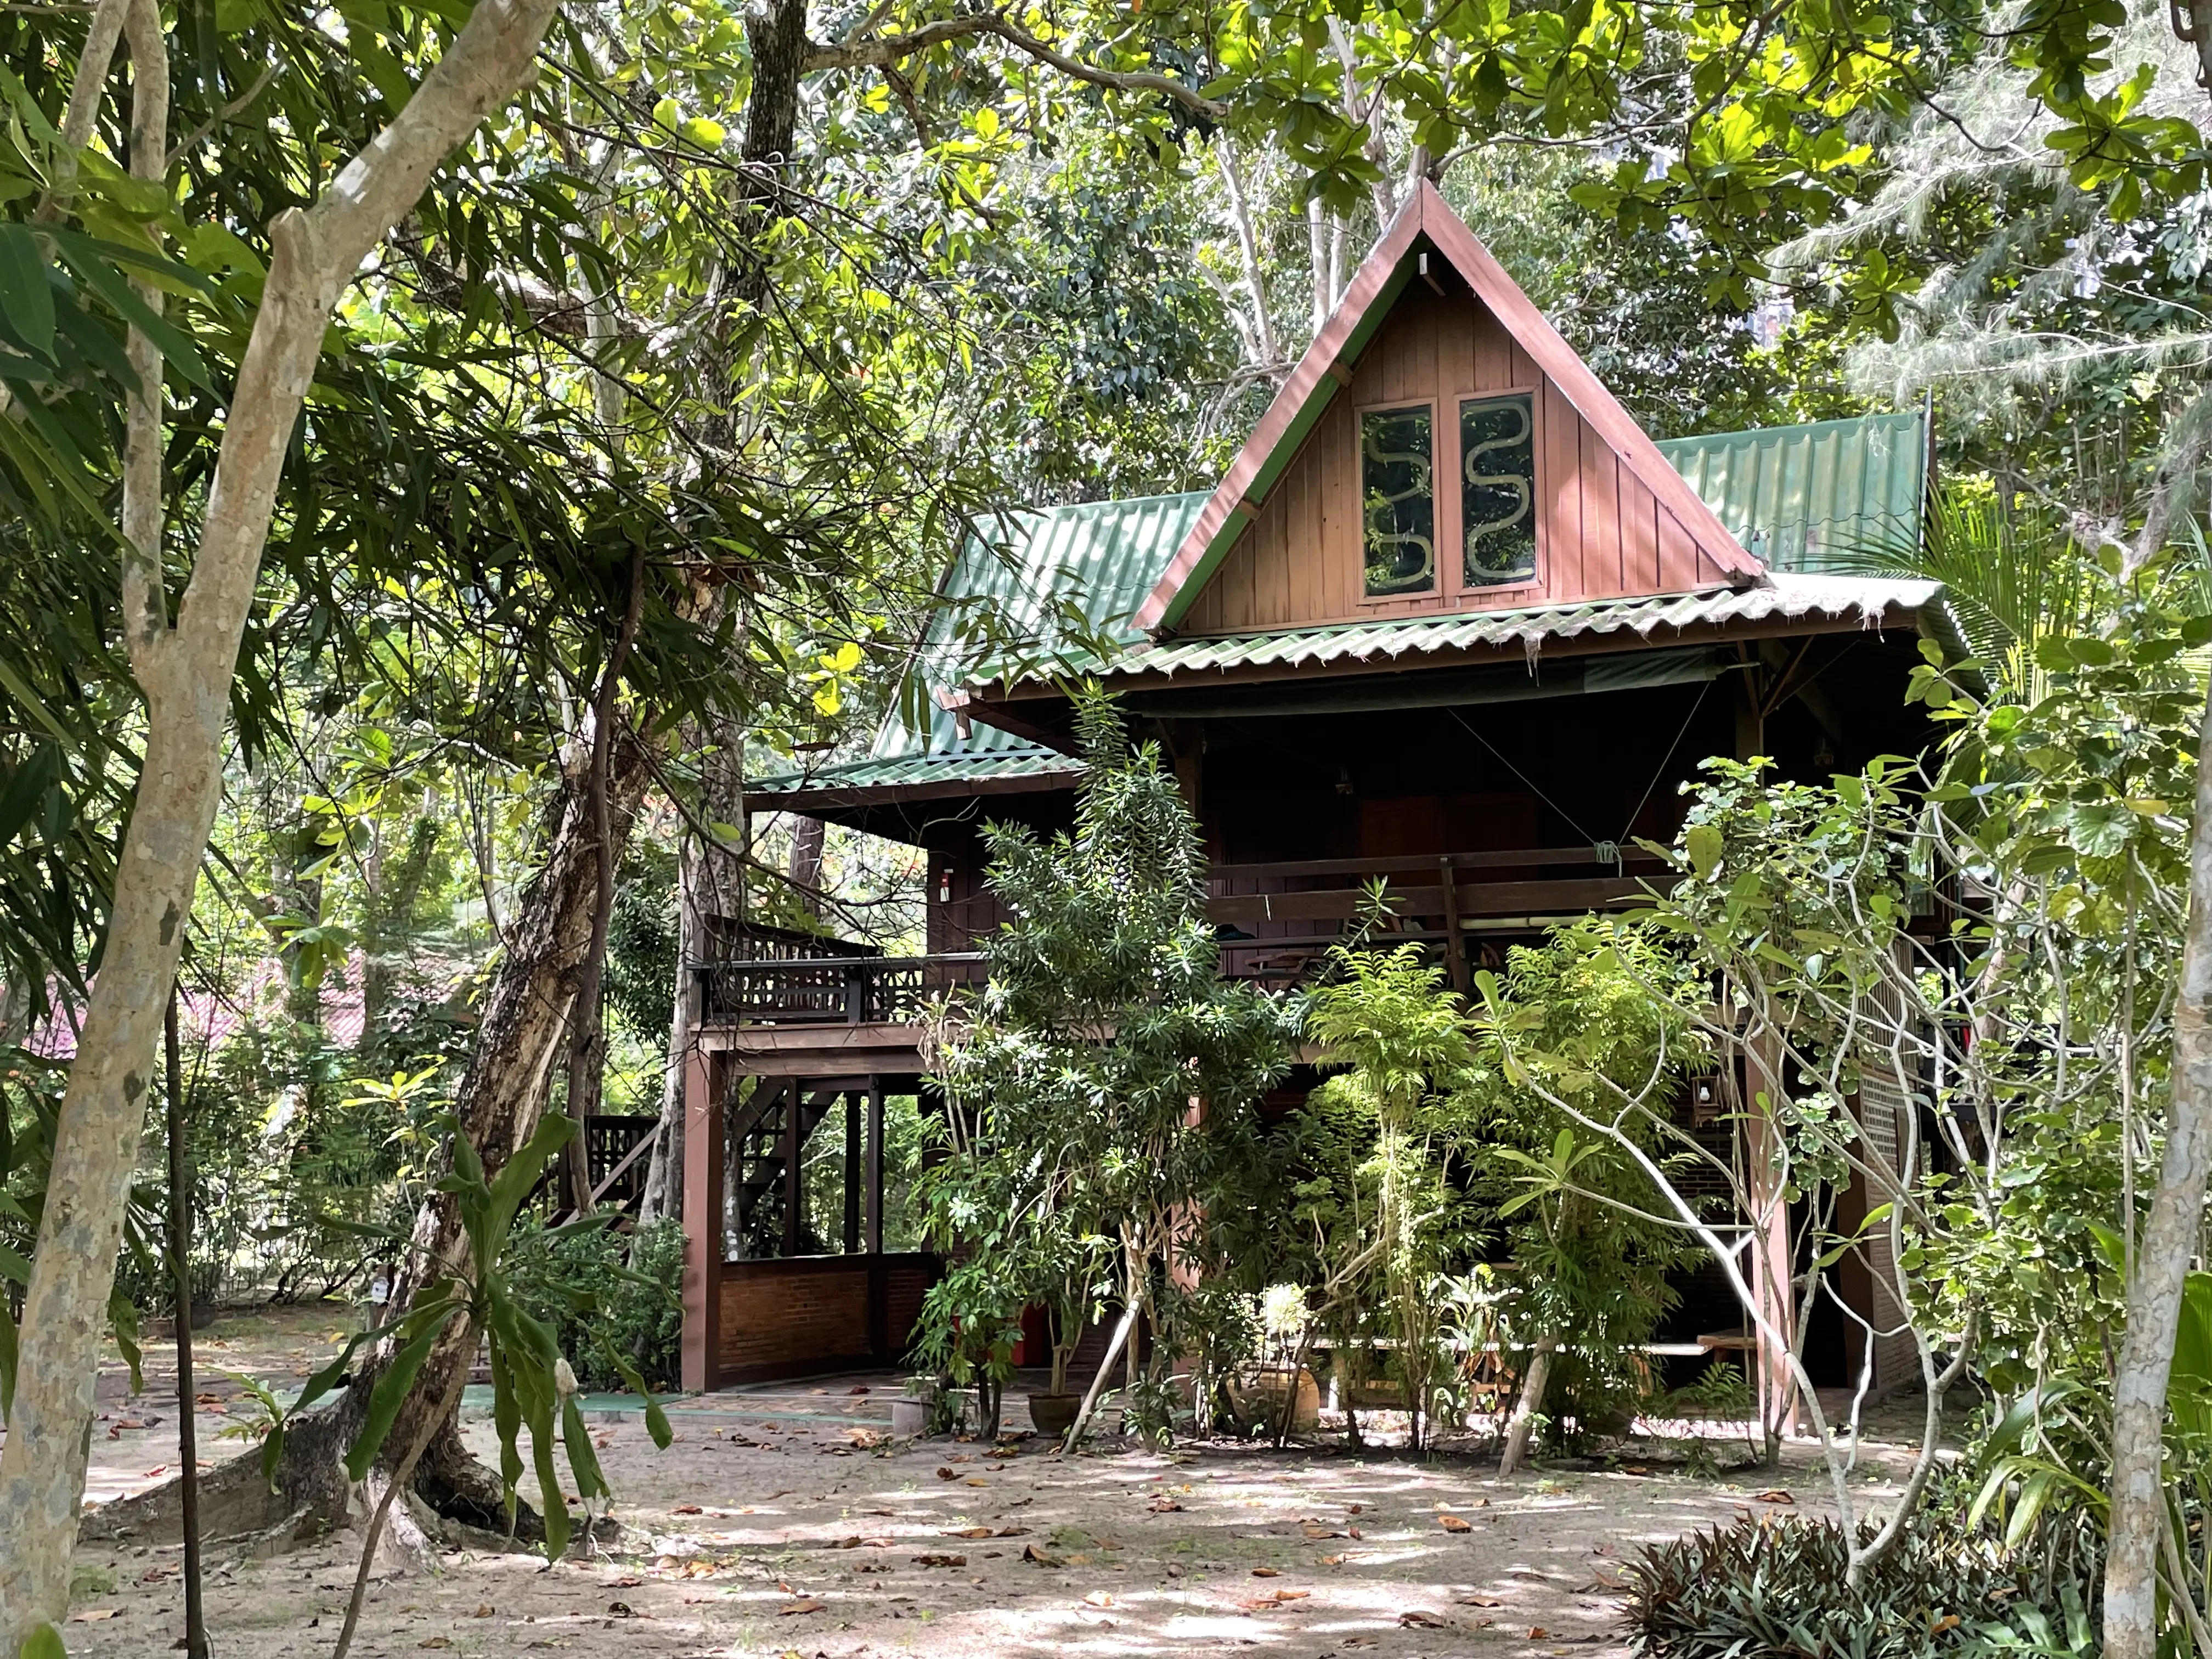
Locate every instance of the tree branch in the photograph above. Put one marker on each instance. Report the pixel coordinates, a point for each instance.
(890, 50)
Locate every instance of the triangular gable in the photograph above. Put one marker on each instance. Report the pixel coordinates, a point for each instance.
(1707, 555)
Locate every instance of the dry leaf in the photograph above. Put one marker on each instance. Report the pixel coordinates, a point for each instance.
(1012, 1532)
(92, 1615)
(976, 1480)
(1478, 1600)
(852, 1543)
(1320, 1531)
(1538, 1633)
(968, 1531)
(483, 1610)
(1164, 1506)
(1265, 1572)
(792, 1607)
(621, 1610)
(1098, 1599)
(1948, 1621)
(687, 1508)
(626, 1583)
(1414, 1618)
(948, 1474)
(436, 1641)
(1774, 1495)
(940, 1561)
(1031, 1553)
(1454, 1523)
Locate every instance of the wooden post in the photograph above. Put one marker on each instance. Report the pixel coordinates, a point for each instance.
(1454, 946)
(852, 1173)
(1771, 1280)
(703, 1184)
(873, 1186)
(794, 1188)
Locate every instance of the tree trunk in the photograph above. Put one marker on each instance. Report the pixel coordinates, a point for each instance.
(1527, 1408)
(502, 1096)
(2161, 1268)
(185, 673)
(807, 838)
(710, 880)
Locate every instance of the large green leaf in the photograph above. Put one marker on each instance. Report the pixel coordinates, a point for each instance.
(26, 296)
(391, 1388)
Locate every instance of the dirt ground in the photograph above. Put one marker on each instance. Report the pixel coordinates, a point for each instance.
(776, 1525)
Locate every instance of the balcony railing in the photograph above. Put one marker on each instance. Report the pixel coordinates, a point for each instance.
(827, 990)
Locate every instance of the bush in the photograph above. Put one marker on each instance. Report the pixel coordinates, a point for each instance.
(1765, 1588)
(601, 1290)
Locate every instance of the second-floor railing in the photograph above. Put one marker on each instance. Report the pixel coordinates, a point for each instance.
(829, 990)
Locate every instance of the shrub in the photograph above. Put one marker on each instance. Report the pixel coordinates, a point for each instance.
(1765, 1588)
(601, 1290)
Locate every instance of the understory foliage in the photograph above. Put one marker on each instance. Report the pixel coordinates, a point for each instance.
(1764, 1587)
(1100, 1088)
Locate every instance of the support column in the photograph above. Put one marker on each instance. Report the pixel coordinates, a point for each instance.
(1771, 1277)
(871, 1186)
(852, 1240)
(702, 1223)
(794, 1186)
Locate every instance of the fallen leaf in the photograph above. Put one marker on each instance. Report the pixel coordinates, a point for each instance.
(625, 1583)
(1265, 1572)
(852, 1543)
(687, 1508)
(1634, 1468)
(1948, 1621)
(621, 1610)
(948, 1474)
(1538, 1633)
(1012, 1532)
(1320, 1531)
(1454, 1523)
(940, 1561)
(1032, 1553)
(1414, 1618)
(1098, 1599)
(92, 1615)
(792, 1607)
(858, 1388)
(483, 1610)
(969, 1532)
(436, 1641)
(1478, 1600)
(976, 1480)
(158, 1468)
(1164, 1506)
(1774, 1495)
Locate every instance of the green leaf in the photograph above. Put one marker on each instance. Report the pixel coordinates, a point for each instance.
(7, 1359)
(26, 296)
(656, 1420)
(583, 1460)
(44, 1643)
(123, 1322)
(391, 1388)
(1705, 846)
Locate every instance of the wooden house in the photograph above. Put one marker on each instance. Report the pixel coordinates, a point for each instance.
(1451, 617)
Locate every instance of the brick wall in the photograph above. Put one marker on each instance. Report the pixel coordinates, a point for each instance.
(787, 1318)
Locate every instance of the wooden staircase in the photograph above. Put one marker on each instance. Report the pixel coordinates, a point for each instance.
(768, 1134)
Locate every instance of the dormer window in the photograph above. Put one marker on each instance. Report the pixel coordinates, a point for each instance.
(1497, 490)
(1398, 501)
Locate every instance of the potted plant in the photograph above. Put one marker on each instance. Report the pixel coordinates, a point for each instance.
(1066, 1274)
(971, 1320)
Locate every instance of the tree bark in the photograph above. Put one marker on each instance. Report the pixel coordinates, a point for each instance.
(185, 673)
(502, 1096)
(710, 884)
(1527, 1408)
(2161, 1269)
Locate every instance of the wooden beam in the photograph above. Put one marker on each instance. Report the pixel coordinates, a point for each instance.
(851, 1239)
(1511, 858)
(1470, 899)
(794, 1188)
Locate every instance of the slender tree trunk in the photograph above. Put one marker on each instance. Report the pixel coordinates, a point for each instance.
(1527, 1408)
(807, 838)
(185, 673)
(709, 886)
(502, 1095)
(2170, 1237)
(180, 1262)
(587, 1030)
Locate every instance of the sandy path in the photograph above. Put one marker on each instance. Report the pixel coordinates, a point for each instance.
(805, 1542)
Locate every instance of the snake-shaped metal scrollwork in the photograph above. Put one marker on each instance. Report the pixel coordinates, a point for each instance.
(1479, 530)
(1381, 510)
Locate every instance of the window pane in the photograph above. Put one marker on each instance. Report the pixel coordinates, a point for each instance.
(1397, 487)
(1498, 462)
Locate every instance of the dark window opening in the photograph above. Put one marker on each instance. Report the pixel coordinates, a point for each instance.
(1397, 490)
(1497, 471)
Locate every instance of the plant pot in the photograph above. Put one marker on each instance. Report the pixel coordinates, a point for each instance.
(909, 1418)
(1053, 1415)
(1260, 1394)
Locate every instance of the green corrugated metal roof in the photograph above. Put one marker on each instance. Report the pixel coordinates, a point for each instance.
(1789, 595)
(1792, 495)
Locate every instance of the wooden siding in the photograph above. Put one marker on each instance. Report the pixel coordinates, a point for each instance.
(1601, 532)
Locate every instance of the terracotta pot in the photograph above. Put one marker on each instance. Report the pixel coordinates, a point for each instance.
(1053, 1414)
